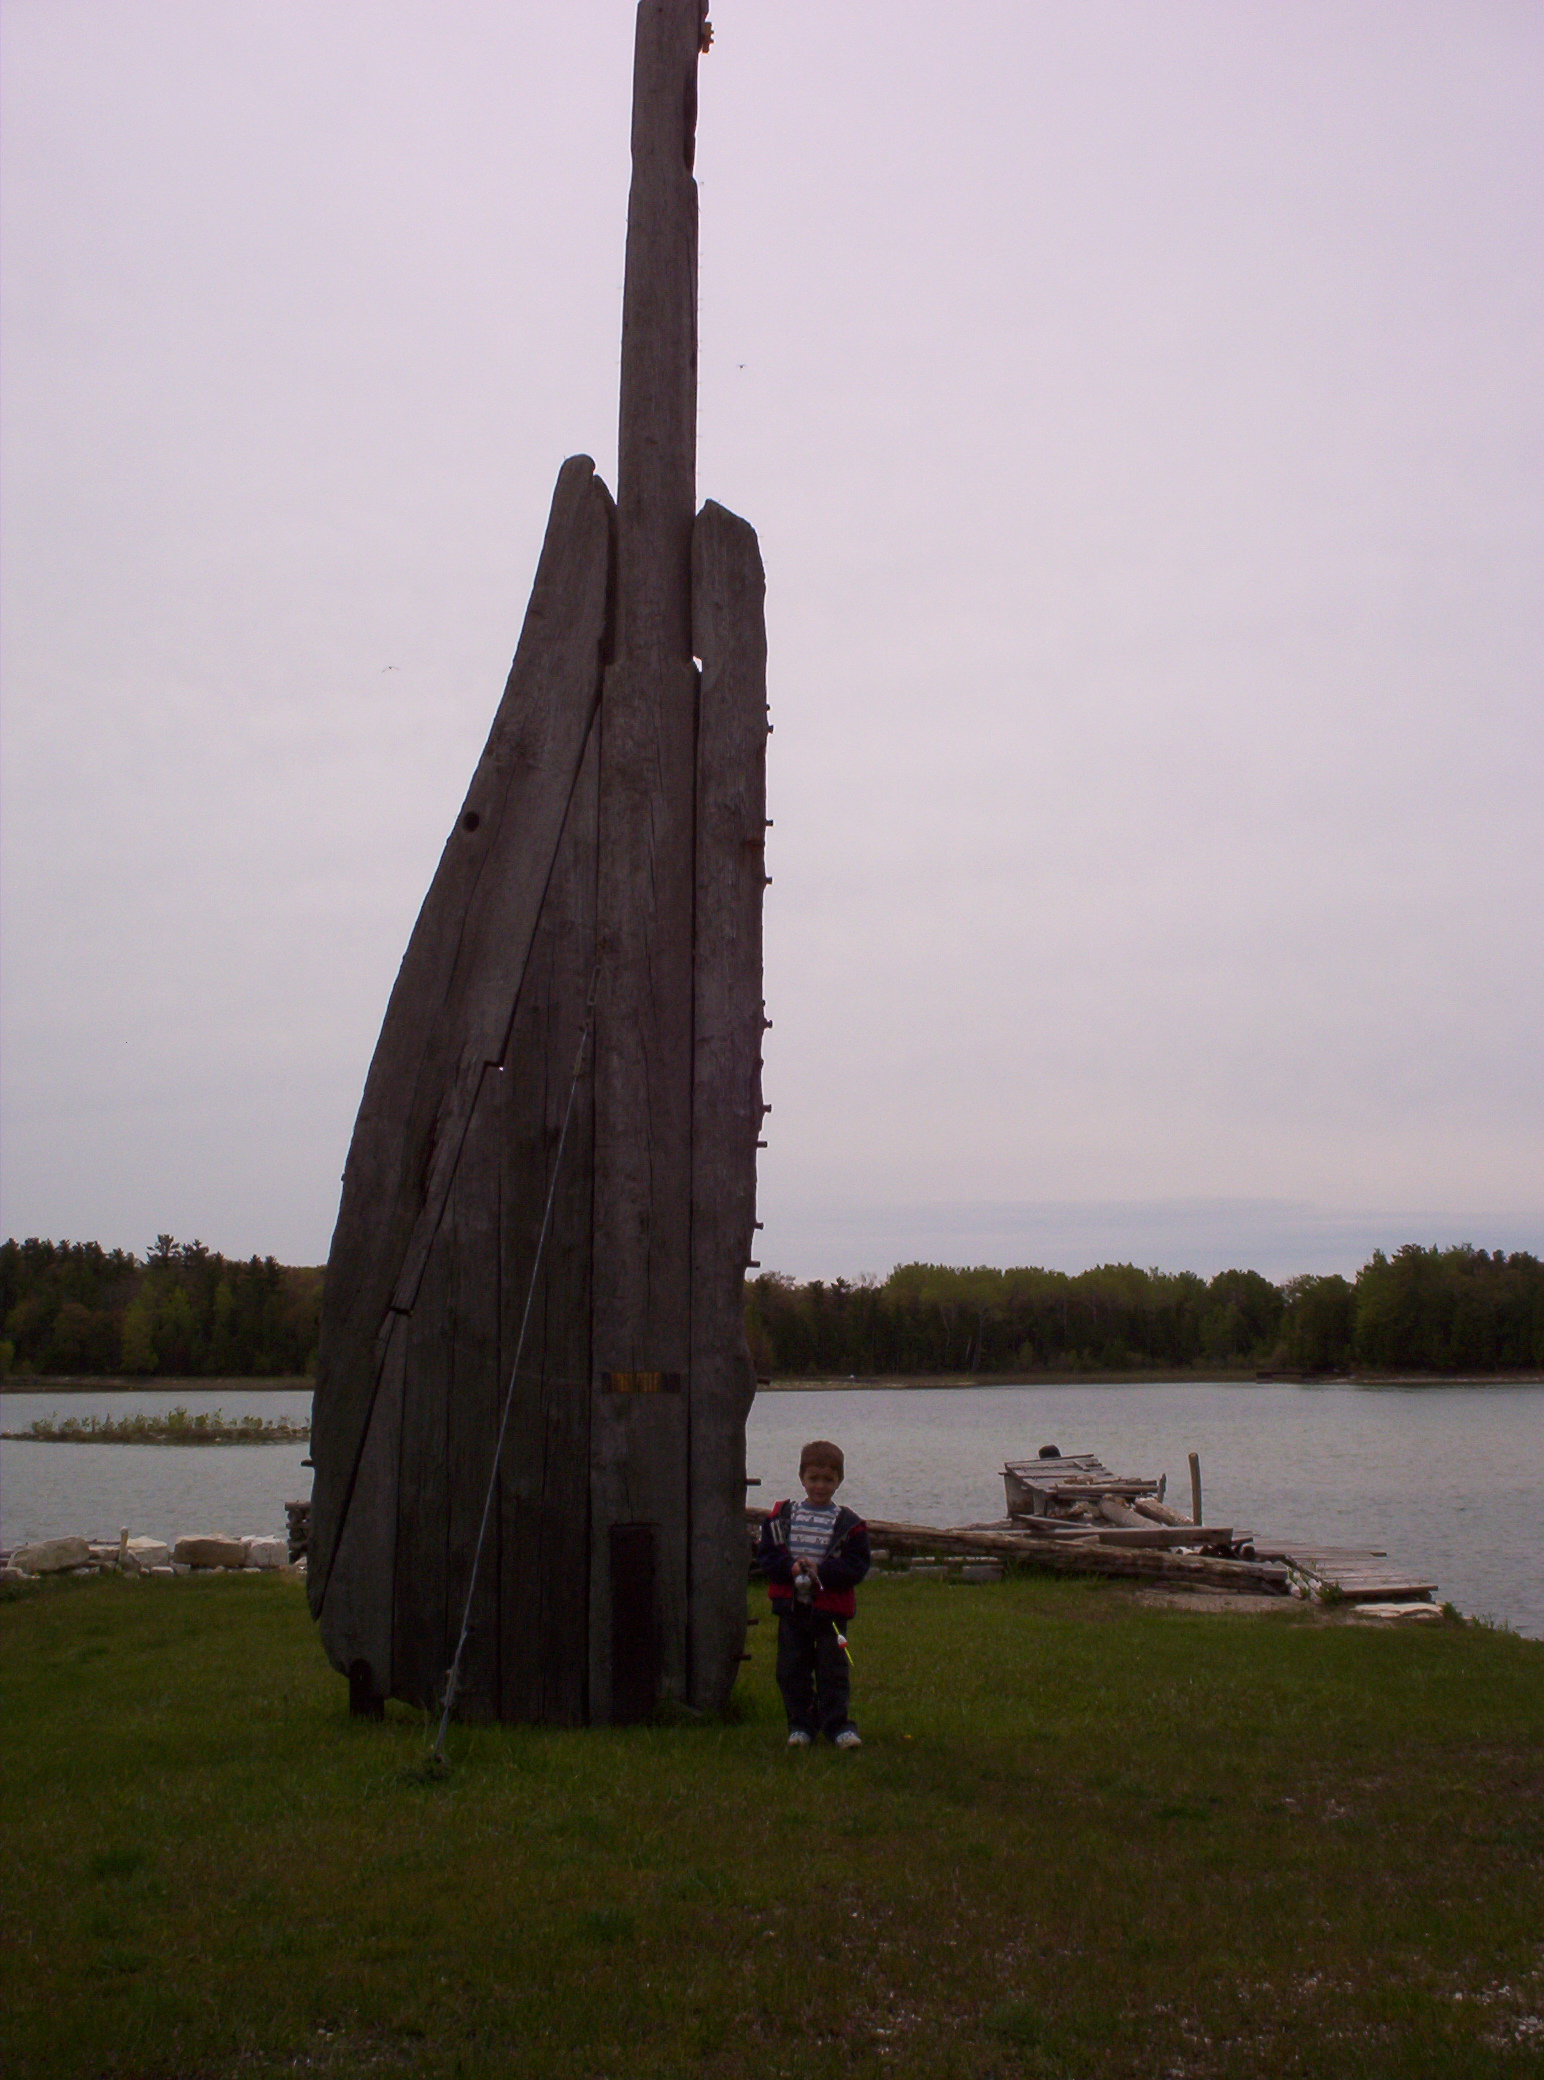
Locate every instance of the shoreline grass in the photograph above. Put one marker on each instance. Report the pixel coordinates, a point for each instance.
(177, 1426)
(1083, 1839)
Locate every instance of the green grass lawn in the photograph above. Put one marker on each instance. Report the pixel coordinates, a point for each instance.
(1083, 1838)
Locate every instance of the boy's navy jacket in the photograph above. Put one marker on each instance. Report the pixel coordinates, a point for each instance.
(845, 1563)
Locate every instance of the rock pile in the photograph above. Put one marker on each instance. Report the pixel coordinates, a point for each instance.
(199, 1552)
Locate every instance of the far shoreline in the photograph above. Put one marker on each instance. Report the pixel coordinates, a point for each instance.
(959, 1382)
(1218, 1376)
(174, 1383)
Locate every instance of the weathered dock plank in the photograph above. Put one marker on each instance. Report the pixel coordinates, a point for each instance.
(1360, 1577)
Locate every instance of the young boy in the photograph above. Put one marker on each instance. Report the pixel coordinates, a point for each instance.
(814, 1555)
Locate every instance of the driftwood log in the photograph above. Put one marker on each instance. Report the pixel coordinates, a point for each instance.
(588, 957)
(1074, 1554)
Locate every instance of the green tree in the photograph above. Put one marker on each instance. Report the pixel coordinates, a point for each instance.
(1318, 1323)
(1242, 1318)
(137, 1349)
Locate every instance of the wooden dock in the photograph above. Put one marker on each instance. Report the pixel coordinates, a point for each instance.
(1351, 1574)
(1075, 1498)
(1069, 1513)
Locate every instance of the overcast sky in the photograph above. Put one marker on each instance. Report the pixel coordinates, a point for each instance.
(1140, 408)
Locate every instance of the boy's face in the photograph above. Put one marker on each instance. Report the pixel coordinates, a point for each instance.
(820, 1482)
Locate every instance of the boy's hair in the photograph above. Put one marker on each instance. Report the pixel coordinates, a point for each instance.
(821, 1452)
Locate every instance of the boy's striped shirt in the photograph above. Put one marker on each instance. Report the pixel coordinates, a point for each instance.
(810, 1526)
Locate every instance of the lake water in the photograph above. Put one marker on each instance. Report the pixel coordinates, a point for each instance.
(1446, 1479)
(51, 1490)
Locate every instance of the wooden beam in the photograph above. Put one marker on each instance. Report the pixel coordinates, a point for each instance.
(1162, 1537)
(643, 1017)
(469, 1237)
(729, 635)
(357, 1621)
(1159, 1512)
(1076, 1556)
(544, 1492)
(421, 1636)
(657, 429)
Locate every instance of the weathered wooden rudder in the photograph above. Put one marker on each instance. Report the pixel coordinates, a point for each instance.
(610, 846)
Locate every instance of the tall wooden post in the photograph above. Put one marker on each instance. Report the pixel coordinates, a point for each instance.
(643, 1025)
(613, 830)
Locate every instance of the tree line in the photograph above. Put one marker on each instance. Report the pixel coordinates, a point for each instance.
(1421, 1310)
(73, 1308)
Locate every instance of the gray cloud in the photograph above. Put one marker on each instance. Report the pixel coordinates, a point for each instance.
(1139, 409)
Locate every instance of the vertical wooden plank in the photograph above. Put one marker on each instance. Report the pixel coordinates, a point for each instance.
(643, 1069)
(635, 1642)
(728, 596)
(420, 1644)
(356, 1624)
(642, 1263)
(545, 1472)
(638, 1476)
(470, 1239)
(657, 432)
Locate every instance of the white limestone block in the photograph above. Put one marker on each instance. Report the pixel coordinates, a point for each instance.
(53, 1556)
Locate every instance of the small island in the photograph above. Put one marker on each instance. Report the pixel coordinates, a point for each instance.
(211, 1426)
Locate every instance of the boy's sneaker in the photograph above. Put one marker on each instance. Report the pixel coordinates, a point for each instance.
(848, 1739)
(800, 1739)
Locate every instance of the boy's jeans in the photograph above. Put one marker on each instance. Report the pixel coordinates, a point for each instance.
(812, 1673)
